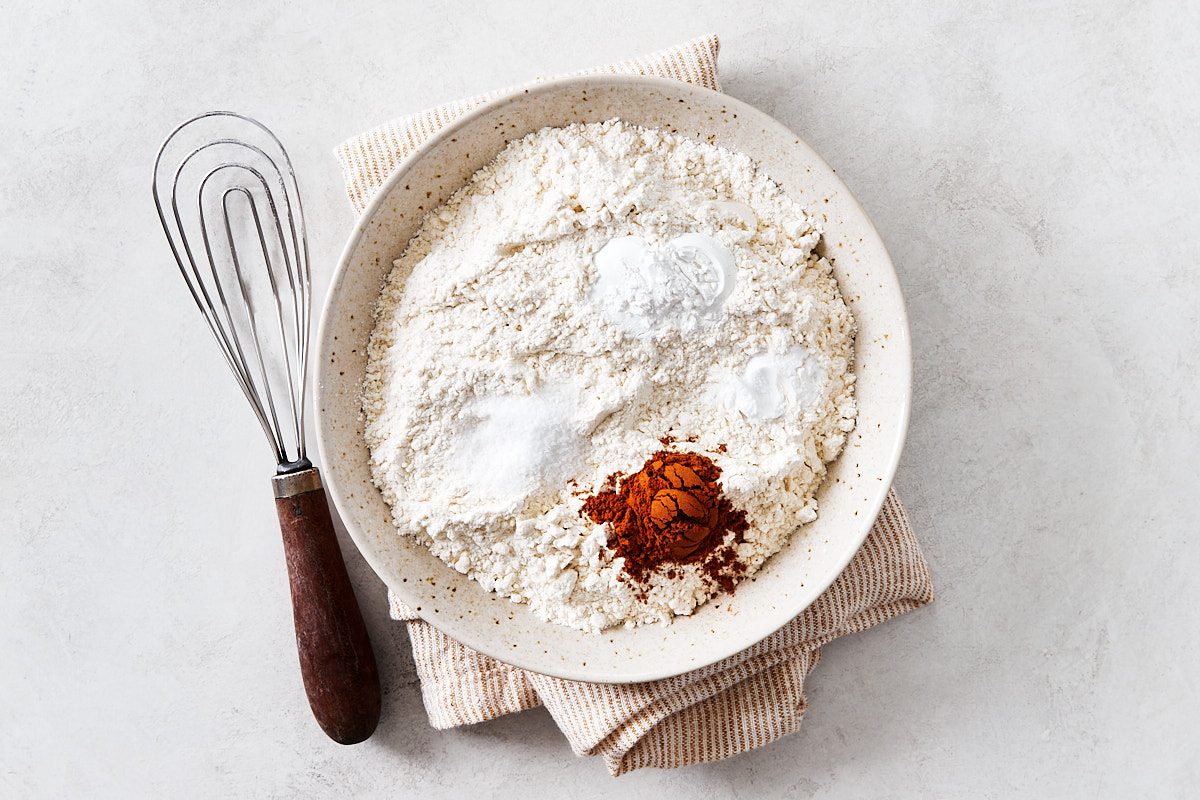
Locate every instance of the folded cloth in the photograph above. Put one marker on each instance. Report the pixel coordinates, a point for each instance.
(742, 702)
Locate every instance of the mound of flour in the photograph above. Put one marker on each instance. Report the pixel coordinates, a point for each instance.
(501, 390)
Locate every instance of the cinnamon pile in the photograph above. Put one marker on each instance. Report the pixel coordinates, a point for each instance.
(671, 511)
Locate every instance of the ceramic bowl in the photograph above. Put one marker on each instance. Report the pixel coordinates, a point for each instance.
(849, 500)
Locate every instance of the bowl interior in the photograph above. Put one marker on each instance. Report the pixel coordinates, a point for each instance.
(849, 499)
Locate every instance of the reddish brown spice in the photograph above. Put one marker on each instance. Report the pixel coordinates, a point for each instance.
(671, 511)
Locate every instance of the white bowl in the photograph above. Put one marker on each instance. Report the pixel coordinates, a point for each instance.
(849, 500)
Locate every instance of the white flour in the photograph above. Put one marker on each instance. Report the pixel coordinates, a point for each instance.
(502, 388)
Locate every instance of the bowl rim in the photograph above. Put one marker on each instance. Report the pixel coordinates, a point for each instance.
(361, 225)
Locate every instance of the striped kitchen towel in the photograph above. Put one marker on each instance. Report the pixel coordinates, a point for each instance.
(743, 702)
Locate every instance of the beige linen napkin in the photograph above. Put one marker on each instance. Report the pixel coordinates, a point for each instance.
(743, 702)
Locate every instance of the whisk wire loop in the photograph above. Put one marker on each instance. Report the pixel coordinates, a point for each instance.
(257, 184)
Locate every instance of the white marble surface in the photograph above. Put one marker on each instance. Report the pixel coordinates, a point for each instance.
(1034, 172)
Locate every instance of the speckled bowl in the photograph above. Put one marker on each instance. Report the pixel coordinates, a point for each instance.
(849, 500)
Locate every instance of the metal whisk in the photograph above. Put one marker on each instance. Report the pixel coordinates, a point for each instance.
(240, 242)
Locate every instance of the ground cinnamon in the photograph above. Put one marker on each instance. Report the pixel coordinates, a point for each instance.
(671, 511)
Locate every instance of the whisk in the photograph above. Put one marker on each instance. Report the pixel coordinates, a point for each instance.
(239, 239)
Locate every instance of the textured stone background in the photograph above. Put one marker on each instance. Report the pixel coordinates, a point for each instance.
(1034, 171)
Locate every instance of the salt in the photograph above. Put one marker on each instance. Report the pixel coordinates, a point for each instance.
(515, 445)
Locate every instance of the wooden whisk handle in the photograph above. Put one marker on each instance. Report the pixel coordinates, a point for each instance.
(336, 659)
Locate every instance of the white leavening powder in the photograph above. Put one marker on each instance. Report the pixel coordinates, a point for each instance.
(513, 368)
(774, 385)
(641, 289)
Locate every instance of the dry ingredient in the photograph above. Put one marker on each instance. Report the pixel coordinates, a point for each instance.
(773, 385)
(641, 289)
(512, 444)
(671, 511)
(595, 289)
